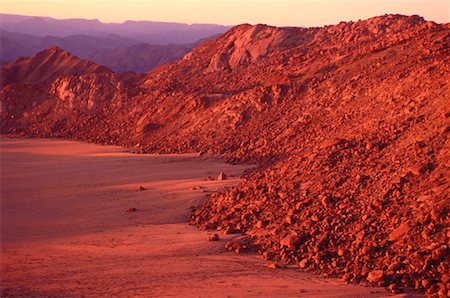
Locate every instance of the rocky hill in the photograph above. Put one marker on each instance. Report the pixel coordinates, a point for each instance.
(46, 66)
(349, 123)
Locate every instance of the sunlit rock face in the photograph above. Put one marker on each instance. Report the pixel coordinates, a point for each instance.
(89, 91)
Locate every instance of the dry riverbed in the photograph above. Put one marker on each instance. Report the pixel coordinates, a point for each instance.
(75, 222)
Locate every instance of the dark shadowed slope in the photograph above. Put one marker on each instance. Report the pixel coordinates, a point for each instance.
(14, 45)
(141, 57)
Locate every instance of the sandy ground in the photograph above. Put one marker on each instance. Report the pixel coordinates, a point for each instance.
(66, 231)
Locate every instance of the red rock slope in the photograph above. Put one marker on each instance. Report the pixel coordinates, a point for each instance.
(350, 124)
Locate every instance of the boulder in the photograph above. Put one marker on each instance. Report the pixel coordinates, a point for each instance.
(376, 276)
(222, 176)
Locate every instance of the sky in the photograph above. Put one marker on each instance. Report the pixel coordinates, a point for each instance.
(231, 12)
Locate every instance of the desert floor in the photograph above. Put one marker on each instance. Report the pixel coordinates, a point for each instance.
(67, 232)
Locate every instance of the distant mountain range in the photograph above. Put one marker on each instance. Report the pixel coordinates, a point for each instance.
(110, 44)
(144, 31)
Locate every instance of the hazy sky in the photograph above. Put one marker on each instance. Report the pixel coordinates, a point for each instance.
(232, 12)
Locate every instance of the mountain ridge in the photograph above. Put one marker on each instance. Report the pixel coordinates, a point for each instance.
(108, 44)
(46, 66)
(150, 32)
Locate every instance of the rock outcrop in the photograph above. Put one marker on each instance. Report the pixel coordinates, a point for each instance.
(245, 44)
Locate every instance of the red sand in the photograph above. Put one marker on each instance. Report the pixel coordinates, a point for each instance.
(66, 230)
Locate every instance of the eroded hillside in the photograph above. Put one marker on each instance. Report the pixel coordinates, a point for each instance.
(350, 124)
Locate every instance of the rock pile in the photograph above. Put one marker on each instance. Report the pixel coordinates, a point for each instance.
(344, 210)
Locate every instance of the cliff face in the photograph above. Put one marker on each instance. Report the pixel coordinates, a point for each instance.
(349, 122)
(89, 92)
(246, 44)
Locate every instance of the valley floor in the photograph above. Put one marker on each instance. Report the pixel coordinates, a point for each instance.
(68, 230)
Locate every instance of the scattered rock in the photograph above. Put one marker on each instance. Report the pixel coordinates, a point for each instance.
(394, 288)
(214, 237)
(303, 263)
(419, 169)
(341, 252)
(400, 232)
(439, 253)
(273, 266)
(326, 200)
(222, 176)
(376, 276)
(290, 241)
(240, 244)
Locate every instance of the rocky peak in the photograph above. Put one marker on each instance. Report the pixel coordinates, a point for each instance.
(398, 20)
(246, 43)
(55, 50)
(46, 66)
(387, 27)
